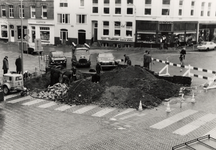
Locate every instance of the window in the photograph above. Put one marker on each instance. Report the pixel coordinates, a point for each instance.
(148, 1)
(21, 11)
(81, 2)
(201, 13)
(44, 11)
(192, 12)
(95, 10)
(192, 3)
(166, 2)
(147, 11)
(4, 32)
(105, 31)
(129, 24)
(63, 5)
(106, 24)
(33, 11)
(63, 18)
(117, 1)
(209, 5)
(81, 19)
(106, 10)
(117, 32)
(95, 1)
(129, 29)
(106, 28)
(165, 11)
(3, 11)
(44, 33)
(203, 4)
(11, 11)
(180, 12)
(117, 10)
(129, 10)
(180, 2)
(129, 1)
(208, 13)
(106, 1)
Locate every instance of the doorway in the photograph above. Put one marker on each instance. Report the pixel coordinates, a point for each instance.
(12, 35)
(81, 36)
(63, 36)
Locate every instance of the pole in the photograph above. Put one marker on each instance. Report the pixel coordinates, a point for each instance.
(21, 36)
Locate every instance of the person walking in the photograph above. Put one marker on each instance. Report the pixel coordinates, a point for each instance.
(182, 57)
(5, 66)
(18, 64)
(127, 59)
(98, 68)
(147, 60)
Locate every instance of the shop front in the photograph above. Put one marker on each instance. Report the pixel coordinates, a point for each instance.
(116, 41)
(207, 32)
(4, 30)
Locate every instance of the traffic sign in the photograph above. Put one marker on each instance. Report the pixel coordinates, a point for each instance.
(38, 44)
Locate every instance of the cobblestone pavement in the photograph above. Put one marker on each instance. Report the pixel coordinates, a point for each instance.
(29, 123)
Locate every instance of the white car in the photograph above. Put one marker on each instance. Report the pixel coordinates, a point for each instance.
(107, 60)
(31, 49)
(205, 46)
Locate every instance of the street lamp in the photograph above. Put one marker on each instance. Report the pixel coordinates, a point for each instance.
(21, 35)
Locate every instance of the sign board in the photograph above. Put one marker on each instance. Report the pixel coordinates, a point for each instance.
(27, 37)
(38, 44)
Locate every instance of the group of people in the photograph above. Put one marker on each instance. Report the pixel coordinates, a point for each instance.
(18, 64)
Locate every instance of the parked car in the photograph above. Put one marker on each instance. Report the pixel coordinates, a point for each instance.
(205, 46)
(81, 57)
(31, 49)
(107, 60)
(57, 58)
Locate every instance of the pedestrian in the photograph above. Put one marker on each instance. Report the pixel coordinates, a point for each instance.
(5, 66)
(18, 64)
(98, 68)
(147, 60)
(74, 73)
(182, 57)
(127, 59)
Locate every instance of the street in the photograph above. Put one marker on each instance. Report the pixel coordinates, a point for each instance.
(30, 124)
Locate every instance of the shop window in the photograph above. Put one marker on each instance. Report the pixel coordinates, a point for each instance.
(148, 1)
(81, 2)
(147, 11)
(105, 31)
(106, 10)
(44, 33)
(166, 2)
(63, 18)
(81, 19)
(11, 11)
(95, 10)
(117, 10)
(117, 1)
(3, 11)
(192, 12)
(165, 12)
(21, 11)
(106, 1)
(33, 12)
(44, 12)
(63, 5)
(117, 33)
(180, 12)
(129, 10)
(95, 1)
(129, 1)
(4, 32)
(19, 31)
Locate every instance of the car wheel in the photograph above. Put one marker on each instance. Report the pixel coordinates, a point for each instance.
(6, 90)
(30, 50)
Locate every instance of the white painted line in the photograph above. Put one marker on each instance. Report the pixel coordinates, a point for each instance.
(47, 105)
(173, 119)
(124, 112)
(128, 116)
(64, 107)
(84, 109)
(103, 112)
(10, 96)
(33, 102)
(19, 100)
(212, 133)
(195, 124)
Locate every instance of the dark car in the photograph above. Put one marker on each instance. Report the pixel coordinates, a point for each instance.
(57, 58)
(81, 57)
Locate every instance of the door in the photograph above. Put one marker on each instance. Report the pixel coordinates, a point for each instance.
(12, 35)
(95, 35)
(63, 36)
(81, 36)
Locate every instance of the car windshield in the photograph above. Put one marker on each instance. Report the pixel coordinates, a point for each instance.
(57, 54)
(82, 52)
(106, 58)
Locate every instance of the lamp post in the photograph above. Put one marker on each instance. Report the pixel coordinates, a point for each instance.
(21, 35)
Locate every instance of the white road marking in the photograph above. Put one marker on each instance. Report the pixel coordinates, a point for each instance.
(131, 115)
(173, 119)
(33, 102)
(10, 96)
(19, 100)
(47, 105)
(212, 133)
(124, 112)
(195, 124)
(84, 109)
(103, 112)
(64, 107)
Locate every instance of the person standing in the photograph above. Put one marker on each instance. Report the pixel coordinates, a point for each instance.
(18, 64)
(127, 59)
(5, 66)
(182, 57)
(98, 68)
(146, 60)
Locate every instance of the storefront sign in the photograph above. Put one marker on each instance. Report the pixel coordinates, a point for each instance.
(117, 39)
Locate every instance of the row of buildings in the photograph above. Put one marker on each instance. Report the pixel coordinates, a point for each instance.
(108, 22)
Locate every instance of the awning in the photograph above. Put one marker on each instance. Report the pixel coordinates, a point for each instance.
(145, 32)
(190, 32)
(178, 32)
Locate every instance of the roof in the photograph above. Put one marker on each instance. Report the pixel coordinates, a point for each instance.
(105, 55)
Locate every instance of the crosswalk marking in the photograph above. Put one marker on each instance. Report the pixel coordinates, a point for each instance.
(47, 105)
(212, 133)
(19, 100)
(195, 124)
(103, 112)
(129, 116)
(124, 112)
(33, 102)
(173, 119)
(10, 96)
(84, 109)
(64, 107)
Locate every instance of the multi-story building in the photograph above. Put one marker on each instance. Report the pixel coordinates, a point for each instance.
(37, 20)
